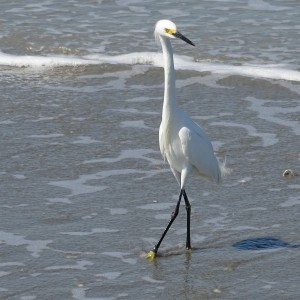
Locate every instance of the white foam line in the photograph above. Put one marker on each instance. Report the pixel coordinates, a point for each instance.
(42, 61)
(152, 280)
(188, 63)
(78, 186)
(268, 139)
(109, 275)
(263, 71)
(93, 231)
(271, 113)
(155, 59)
(121, 256)
(80, 265)
(130, 154)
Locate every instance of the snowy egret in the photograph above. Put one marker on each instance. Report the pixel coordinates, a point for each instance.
(182, 142)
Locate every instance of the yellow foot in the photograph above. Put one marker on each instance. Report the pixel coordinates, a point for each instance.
(151, 255)
(189, 250)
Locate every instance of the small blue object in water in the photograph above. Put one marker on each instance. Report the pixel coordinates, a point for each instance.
(262, 243)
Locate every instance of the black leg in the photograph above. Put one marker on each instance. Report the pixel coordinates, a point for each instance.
(188, 224)
(173, 217)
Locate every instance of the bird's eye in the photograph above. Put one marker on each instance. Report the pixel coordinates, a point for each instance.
(170, 31)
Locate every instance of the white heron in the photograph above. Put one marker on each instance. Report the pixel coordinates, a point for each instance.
(182, 142)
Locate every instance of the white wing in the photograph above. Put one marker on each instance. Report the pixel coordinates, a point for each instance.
(198, 149)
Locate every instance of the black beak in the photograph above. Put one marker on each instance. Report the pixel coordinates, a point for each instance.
(182, 37)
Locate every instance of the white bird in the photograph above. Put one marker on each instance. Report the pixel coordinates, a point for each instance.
(182, 142)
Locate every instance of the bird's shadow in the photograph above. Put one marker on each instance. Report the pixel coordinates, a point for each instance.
(263, 243)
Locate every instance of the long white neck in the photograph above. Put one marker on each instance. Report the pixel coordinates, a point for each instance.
(170, 93)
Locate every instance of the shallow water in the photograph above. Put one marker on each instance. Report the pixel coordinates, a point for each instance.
(84, 190)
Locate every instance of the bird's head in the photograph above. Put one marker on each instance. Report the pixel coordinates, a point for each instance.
(167, 29)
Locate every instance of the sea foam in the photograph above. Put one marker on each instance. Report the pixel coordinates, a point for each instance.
(154, 59)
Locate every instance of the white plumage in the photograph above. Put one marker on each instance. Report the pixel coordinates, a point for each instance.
(184, 145)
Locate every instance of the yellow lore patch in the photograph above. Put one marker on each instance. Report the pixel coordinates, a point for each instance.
(170, 31)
